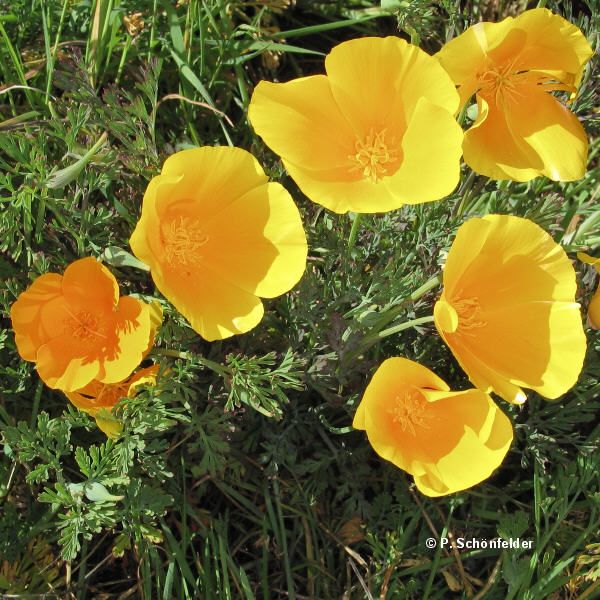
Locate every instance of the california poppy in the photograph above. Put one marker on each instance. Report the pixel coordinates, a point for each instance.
(77, 329)
(375, 133)
(98, 399)
(217, 237)
(594, 306)
(449, 441)
(508, 309)
(521, 130)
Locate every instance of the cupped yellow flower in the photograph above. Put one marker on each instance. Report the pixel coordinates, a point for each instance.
(449, 441)
(594, 306)
(98, 399)
(77, 329)
(373, 134)
(217, 237)
(508, 309)
(521, 131)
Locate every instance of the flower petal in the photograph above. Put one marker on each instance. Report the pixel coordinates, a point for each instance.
(552, 42)
(377, 82)
(215, 309)
(300, 121)
(490, 148)
(61, 365)
(429, 171)
(258, 243)
(88, 284)
(26, 314)
(550, 135)
(124, 352)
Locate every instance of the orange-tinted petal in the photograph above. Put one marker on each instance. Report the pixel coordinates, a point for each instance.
(490, 148)
(88, 284)
(124, 353)
(258, 243)
(26, 314)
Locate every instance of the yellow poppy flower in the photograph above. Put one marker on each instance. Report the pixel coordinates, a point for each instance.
(521, 131)
(594, 306)
(448, 441)
(97, 399)
(373, 134)
(508, 309)
(77, 329)
(217, 237)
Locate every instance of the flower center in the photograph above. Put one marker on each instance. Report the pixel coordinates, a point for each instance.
(373, 158)
(110, 394)
(469, 315)
(83, 326)
(183, 240)
(410, 411)
(500, 82)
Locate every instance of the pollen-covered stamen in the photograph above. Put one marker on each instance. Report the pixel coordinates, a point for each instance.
(183, 240)
(375, 157)
(110, 394)
(83, 325)
(410, 411)
(469, 315)
(501, 82)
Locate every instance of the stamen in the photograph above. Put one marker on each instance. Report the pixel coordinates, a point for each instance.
(410, 411)
(501, 82)
(83, 325)
(183, 239)
(373, 157)
(469, 315)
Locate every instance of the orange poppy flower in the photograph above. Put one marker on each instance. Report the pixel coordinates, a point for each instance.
(375, 133)
(594, 306)
(449, 441)
(521, 131)
(217, 237)
(508, 309)
(77, 329)
(98, 399)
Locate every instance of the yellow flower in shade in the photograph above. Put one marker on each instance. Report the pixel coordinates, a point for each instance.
(217, 237)
(508, 309)
(98, 399)
(448, 441)
(594, 306)
(521, 131)
(373, 134)
(77, 329)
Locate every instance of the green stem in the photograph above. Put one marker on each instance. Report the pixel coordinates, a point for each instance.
(354, 230)
(36, 404)
(209, 364)
(393, 312)
(402, 326)
(465, 193)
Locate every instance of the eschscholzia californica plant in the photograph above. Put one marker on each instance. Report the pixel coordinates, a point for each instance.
(98, 399)
(218, 237)
(375, 133)
(522, 130)
(508, 309)
(77, 329)
(594, 306)
(448, 441)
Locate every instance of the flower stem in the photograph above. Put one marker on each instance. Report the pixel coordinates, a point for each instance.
(393, 312)
(403, 326)
(354, 230)
(209, 364)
